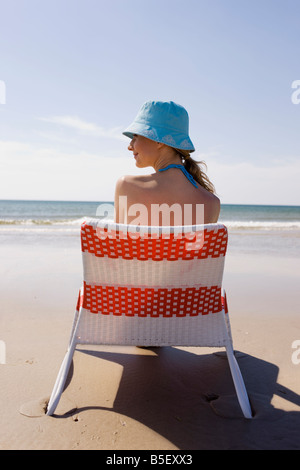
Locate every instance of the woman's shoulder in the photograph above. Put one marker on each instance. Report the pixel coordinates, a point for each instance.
(132, 181)
(136, 178)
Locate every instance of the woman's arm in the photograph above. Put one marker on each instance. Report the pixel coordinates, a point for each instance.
(119, 214)
(122, 191)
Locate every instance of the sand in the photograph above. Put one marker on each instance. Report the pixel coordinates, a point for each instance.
(127, 398)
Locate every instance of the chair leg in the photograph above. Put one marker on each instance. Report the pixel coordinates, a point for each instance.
(65, 366)
(61, 379)
(238, 383)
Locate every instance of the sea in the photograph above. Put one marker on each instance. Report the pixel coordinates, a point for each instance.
(257, 229)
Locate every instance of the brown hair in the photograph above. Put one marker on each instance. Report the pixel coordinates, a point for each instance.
(194, 168)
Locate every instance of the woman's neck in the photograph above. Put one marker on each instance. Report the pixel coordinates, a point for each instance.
(165, 160)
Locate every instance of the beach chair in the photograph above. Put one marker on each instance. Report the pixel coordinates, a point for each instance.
(152, 286)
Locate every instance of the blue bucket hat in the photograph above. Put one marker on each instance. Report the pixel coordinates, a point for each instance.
(163, 121)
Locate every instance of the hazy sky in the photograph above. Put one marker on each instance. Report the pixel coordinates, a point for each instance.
(74, 73)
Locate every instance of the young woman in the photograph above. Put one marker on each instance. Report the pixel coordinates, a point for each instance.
(179, 192)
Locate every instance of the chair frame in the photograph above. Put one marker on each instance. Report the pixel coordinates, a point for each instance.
(83, 316)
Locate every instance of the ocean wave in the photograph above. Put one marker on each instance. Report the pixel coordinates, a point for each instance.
(261, 225)
(39, 222)
(75, 223)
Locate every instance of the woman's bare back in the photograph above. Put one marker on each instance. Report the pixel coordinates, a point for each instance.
(166, 198)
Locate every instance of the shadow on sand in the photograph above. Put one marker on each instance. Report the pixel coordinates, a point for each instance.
(190, 400)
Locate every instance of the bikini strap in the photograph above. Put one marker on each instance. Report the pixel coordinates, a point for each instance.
(184, 171)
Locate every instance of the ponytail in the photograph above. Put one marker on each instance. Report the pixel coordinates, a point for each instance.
(194, 168)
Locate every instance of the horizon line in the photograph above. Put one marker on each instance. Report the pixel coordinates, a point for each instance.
(112, 202)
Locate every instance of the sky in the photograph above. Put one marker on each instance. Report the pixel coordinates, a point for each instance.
(74, 73)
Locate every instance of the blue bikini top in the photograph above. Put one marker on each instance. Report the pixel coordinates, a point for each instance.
(184, 171)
